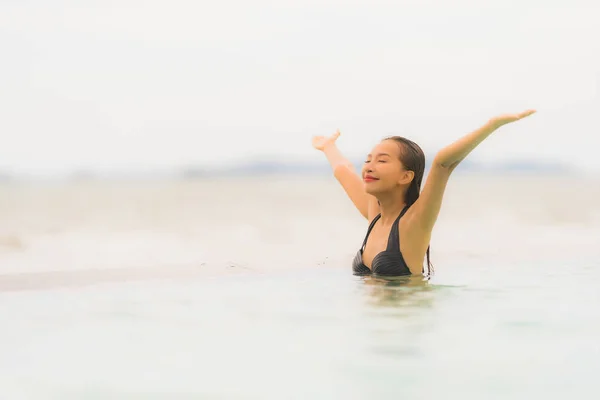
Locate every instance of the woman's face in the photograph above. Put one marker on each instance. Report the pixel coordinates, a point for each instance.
(382, 170)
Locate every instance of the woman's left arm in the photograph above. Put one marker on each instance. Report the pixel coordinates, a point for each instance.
(424, 213)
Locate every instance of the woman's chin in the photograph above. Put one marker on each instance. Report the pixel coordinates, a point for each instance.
(370, 188)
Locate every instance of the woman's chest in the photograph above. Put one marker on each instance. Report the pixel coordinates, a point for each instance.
(377, 242)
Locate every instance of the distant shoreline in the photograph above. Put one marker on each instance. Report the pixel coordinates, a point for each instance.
(279, 168)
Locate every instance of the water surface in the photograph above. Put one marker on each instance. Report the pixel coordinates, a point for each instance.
(216, 290)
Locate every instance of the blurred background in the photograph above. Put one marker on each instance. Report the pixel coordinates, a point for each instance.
(171, 141)
(98, 87)
(126, 123)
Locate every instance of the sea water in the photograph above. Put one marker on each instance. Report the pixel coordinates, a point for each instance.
(242, 289)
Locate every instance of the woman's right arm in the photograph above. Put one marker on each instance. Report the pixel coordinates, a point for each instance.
(343, 170)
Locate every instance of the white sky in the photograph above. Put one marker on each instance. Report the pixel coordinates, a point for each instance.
(141, 84)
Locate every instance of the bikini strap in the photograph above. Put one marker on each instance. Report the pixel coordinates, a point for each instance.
(394, 238)
(371, 225)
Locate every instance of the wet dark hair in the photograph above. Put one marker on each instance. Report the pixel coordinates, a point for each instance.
(413, 159)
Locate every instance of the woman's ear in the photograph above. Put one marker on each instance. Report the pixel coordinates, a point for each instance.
(407, 177)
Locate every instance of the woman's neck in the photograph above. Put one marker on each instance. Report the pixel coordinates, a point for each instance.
(390, 206)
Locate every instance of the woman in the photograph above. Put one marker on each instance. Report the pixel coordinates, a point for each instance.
(389, 195)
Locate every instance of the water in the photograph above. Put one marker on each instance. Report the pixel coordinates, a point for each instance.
(242, 290)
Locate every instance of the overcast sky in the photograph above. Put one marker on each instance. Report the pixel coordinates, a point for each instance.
(141, 84)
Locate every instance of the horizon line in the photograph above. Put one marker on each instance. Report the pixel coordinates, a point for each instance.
(251, 167)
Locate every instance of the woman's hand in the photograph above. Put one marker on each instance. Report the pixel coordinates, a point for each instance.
(508, 118)
(321, 142)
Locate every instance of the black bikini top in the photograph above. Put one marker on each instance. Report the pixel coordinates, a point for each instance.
(389, 262)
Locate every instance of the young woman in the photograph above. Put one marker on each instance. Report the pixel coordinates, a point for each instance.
(389, 195)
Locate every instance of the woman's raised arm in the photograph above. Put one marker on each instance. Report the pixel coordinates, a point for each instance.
(426, 209)
(343, 170)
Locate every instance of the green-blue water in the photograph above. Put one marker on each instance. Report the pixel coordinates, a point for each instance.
(317, 333)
